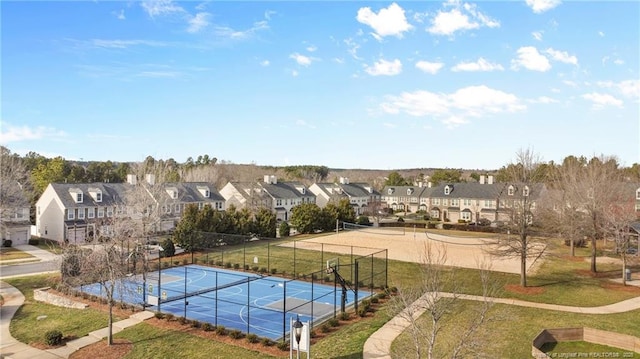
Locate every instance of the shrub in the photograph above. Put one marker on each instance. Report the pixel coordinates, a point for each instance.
(345, 316)
(236, 266)
(182, 320)
(314, 277)
(185, 261)
(274, 271)
(34, 241)
(246, 267)
(362, 312)
(7, 242)
(219, 263)
(168, 248)
(236, 334)
(400, 220)
(227, 265)
(206, 327)
(221, 330)
(176, 263)
(263, 270)
(333, 322)
(375, 300)
(195, 261)
(255, 268)
(266, 342)
(53, 337)
(284, 229)
(284, 346)
(252, 338)
(195, 324)
(169, 317)
(325, 328)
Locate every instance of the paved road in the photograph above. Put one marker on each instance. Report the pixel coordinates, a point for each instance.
(28, 268)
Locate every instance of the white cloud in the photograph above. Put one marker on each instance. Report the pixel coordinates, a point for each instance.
(123, 44)
(312, 48)
(530, 59)
(265, 63)
(10, 133)
(352, 48)
(544, 100)
(455, 108)
(601, 33)
(389, 125)
(600, 100)
(388, 21)
(537, 35)
(119, 14)
(228, 32)
(384, 67)
(480, 65)
(627, 88)
(198, 22)
(465, 17)
(562, 56)
(429, 67)
(294, 73)
(618, 62)
(540, 6)
(160, 7)
(454, 121)
(304, 123)
(301, 59)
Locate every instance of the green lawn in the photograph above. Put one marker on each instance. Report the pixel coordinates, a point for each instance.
(27, 328)
(510, 333)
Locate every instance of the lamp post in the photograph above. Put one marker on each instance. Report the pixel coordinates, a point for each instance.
(160, 249)
(297, 329)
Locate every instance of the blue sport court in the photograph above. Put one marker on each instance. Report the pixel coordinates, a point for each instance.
(249, 302)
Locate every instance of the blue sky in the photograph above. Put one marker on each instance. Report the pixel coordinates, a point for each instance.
(377, 85)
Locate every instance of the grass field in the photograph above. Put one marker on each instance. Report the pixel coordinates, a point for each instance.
(560, 280)
(10, 253)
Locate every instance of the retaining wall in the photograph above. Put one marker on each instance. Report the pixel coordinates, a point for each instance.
(43, 295)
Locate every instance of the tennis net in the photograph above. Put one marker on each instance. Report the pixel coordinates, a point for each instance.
(184, 295)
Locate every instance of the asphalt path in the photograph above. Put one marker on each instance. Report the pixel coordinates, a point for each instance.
(11, 270)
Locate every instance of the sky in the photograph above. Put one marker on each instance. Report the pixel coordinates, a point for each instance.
(351, 84)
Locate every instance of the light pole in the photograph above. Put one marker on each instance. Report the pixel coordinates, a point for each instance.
(160, 249)
(297, 329)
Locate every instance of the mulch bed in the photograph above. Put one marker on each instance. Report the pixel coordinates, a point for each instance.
(516, 288)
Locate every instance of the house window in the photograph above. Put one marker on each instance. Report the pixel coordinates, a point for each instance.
(176, 208)
(167, 209)
(488, 203)
(447, 190)
(466, 216)
(510, 191)
(466, 202)
(109, 211)
(390, 191)
(436, 201)
(78, 197)
(91, 213)
(525, 191)
(100, 212)
(200, 205)
(279, 202)
(455, 202)
(80, 213)
(98, 196)
(444, 202)
(638, 194)
(71, 214)
(174, 194)
(207, 193)
(20, 213)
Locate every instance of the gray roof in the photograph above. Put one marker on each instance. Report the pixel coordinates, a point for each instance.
(286, 190)
(475, 190)
(189, 192)
(407, 191)
(112, 193)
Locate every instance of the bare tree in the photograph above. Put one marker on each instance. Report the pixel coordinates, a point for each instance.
(14, 186)
(618, 217)
(517, 201)
(426, 308)
(590, 188)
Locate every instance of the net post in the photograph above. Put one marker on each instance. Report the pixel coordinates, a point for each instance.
(356, 286)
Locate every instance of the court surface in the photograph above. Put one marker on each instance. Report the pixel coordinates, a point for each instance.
(411, 246)
(251, 303)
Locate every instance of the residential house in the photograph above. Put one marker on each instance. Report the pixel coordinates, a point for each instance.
(82, 212)
(482, 199)
(14, 217)
(279, 197)
(407, 198)
(360, 195)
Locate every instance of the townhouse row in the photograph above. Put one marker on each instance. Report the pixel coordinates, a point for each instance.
(82, 212)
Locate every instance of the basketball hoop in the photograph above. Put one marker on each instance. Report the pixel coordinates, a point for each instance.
(330, 270)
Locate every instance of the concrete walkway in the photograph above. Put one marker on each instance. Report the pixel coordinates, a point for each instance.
(10, 348)
(378, 345)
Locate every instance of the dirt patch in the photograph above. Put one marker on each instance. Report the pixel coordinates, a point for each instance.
(620, 288)
(101, 350)
(570, 258)
(514, 288)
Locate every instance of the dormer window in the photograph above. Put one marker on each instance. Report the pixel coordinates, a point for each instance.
(76, 194)
(303, 190)
(511, 190)
(173, 192)
(204, 191)
(448, 189)
(390, 191)
(525, 191)
(96, 194)
(409, 191)
(638, 194)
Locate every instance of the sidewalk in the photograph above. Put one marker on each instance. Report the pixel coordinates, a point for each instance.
(378, 345)
(10, 348)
